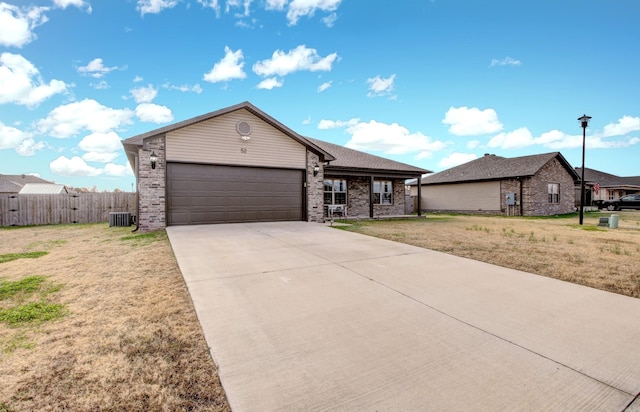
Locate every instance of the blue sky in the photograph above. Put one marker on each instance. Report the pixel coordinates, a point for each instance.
(430, 83)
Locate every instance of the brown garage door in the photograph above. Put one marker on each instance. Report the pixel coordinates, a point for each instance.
(202, 194)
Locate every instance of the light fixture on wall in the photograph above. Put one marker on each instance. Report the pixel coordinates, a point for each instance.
(316, 169)
(154, 159)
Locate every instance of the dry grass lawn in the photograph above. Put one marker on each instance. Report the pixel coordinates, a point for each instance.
(599, 257)
(126, 337)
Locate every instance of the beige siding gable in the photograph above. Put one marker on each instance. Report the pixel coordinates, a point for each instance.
(477, 196)
(216, 141)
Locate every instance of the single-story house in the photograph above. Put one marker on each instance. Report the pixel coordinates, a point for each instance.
(12, 184)
(537, 185)
(239, 164)
(604, 186)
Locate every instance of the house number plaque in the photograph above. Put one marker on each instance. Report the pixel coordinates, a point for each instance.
(243, 150)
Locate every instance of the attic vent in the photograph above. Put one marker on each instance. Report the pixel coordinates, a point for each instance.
(243, 128)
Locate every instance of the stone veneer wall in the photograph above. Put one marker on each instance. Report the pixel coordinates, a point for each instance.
(397, 208)
(358, 199)
(151, 186)
(315, 189)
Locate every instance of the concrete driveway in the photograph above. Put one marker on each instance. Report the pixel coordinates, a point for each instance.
(300, 316)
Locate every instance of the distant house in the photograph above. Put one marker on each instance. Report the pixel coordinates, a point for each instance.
(604, 186)
(12, 184)
(42, 189)
(537, 185)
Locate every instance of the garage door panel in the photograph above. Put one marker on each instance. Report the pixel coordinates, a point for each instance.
(202, 194)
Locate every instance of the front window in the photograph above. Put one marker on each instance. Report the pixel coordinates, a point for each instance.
(383, 192)
(335, 191)
(554, 192)
(612, 194)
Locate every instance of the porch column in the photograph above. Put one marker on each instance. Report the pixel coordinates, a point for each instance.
(371, 197)
(419, 181)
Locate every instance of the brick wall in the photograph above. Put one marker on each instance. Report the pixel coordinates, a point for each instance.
(151, 186)
(315, 187)
(552, 172)
(358, 199)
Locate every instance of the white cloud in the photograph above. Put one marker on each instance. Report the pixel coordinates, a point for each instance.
(75, 166)
(455, 159)
(624, 125)
(330, 19)
(276, 4)
(17, 24)
(507, 61)
(299, 59)
(111, 169)
(556, 140)
(95, 68)
(77, 3)
(101, 85)
(270, 83)
(101, 142)
(379, 86)
(154, 6)
(229, 68)
(153, 113)
(465, 121)
(144, 94)
(10, 137)
(390, 139)
(184, 88)
(21, 83)
(307, 120)
(29, 147)
(213, 4)
(324, 86)
(70, 119)
(473, 144)
(325, 124)
(100, 157)
(301, 8)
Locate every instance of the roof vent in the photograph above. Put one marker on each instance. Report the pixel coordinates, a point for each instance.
(244, 129)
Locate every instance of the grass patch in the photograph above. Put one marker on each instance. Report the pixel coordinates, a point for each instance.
(29, 284)
(8, 257)
(11, 343)
(140, 239)
(550, 246)
(34, 312)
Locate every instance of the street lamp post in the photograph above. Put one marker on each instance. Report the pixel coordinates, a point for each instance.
(584, 122)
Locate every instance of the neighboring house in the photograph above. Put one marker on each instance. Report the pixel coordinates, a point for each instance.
(42, 189)
(238, 164)
(604, 186)
(12, 184)
(538, 185)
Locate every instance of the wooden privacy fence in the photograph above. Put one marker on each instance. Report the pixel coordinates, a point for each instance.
(22, 210)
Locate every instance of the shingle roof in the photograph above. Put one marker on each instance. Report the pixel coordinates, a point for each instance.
(593, 176)
(492, 167)
(353, 159)
(13, 183)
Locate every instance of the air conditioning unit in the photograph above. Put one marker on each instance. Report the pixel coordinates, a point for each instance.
(119, 219)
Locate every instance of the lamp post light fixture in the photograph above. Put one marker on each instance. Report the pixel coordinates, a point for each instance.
(154, 159)
(316, 169)
(584, 122)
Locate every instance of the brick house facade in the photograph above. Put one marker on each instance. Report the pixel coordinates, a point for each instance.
(188, 184)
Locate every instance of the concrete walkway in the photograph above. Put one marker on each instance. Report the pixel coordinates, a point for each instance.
(300, 316)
